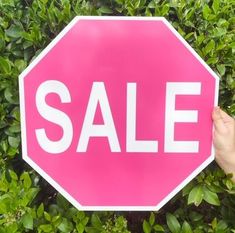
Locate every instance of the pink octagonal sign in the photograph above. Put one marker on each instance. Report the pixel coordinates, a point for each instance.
(116, 113)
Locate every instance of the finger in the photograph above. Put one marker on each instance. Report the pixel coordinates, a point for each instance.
(218, 120)
(226, 118)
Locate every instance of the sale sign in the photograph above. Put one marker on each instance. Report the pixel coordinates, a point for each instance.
(116, 113)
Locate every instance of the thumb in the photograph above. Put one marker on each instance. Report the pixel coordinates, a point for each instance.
(219, 123)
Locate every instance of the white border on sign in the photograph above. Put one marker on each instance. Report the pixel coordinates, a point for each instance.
(23, 120)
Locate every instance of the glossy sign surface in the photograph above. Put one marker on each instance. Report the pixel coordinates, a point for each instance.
(99, 113)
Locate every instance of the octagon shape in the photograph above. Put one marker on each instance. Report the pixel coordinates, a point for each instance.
(128, 68)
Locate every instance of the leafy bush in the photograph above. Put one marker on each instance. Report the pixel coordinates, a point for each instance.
(27, 202)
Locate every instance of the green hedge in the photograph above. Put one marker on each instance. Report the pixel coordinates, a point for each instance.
(27, 202)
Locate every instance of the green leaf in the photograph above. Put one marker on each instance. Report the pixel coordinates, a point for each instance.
(16, 114)
(31, 194)
(209, 47)
(10, 96)
(47, 216)
(232, 45)
(14, 141)
(146, 227)
(85, 221)
(3, 207)
(65, 226)
(215, 5)
(210, 197)
(95, 221)
(91, 230)
(11, 228)
(56, 219)
(173, 223)
(158, 228)
(152, 4)
(221, 226)
(27, 221)
(196, 195)
(186, 228)
(13, 175)
(46, 228)
(4, 145)
(214, 223)
(5, 65)
(14, 31)
(80, 228)
(8, 176)
(188, 188)
(80, 215)
(212, 60)
(152, 219)
(61, 201)
(20, 64)
(12, 152)
(26, 180)
(2, 43)
(105, 10)
(219, 31)
(14, 128)
(40, 210)
(229, 184)
(165, 10)
(206, 11)
(221, 69)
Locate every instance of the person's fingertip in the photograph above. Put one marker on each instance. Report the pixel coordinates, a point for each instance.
(217, 109)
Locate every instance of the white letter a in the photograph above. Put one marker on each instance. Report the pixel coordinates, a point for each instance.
(98, 95)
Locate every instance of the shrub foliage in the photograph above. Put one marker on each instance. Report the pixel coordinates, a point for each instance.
(27, 202)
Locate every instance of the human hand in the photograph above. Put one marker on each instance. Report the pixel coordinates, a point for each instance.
(224, 140)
